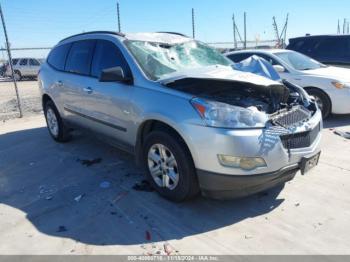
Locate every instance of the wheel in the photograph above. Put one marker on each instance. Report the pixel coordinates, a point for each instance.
(322, 100)
(55, 125)
(169, 166)
(17, 75)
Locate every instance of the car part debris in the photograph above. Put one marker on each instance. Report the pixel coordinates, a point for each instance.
(143, 186)
(78, 198)
(342, 134)
(105, 184)
(89, 162)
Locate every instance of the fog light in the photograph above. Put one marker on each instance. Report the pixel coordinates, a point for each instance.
(246, 163)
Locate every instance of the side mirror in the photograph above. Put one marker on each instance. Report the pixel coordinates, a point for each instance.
(114, 74)
(279, 68)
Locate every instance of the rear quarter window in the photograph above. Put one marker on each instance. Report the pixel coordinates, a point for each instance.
(58, 55)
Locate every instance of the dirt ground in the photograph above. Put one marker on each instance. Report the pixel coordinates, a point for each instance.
(52, 202)
(29, 96)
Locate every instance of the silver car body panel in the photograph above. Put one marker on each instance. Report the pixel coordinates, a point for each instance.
(119, 110)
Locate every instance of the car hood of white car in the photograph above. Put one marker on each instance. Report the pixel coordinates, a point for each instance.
(331, 72)
(220, 73)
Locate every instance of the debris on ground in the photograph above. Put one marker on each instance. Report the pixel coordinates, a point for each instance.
(61, 229)
(78, 198)
(120, 196)
(248, 237)
(143, 186)
(105, 184)
(49, 197)
(342, 134)
(148, 235)
(89, 162)
(167, 249)
(297, 204)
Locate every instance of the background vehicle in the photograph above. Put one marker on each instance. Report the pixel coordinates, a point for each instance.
(328, 49)
(24, 68)
(152, 95)
(329, 85)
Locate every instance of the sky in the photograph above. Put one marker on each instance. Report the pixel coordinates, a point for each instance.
(42, 23)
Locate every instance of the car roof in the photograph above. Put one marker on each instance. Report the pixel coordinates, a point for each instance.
(157, 37)
(260, 51)
(318, 36)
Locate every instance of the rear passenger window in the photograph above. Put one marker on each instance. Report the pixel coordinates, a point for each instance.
(80, 56)
(33, 62)
(58, 55)
(334, 47)
(23, 62)
(107, 55)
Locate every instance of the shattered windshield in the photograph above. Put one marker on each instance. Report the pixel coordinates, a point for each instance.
(159, 59)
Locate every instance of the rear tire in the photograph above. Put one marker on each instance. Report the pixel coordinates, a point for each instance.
(322, 100)
(175, 176)
(57, 129)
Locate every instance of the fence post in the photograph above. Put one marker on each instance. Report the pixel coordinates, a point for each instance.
(10, 62)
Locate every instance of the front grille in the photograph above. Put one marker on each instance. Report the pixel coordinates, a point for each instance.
(300, 140)
(290, 117)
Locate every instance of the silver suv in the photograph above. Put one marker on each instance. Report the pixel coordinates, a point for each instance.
(191, 121)
(24, 68)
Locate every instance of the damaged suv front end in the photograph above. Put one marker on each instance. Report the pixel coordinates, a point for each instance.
(253, 133)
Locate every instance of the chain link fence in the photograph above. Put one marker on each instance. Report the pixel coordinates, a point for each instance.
(28, 89)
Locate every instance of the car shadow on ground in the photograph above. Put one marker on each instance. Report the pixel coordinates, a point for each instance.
(62, 197)
(337, 121)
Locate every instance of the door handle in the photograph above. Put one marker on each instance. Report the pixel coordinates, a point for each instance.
(87, 90)
(59, 83)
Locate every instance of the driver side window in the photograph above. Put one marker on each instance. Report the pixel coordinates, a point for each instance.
(107, 55)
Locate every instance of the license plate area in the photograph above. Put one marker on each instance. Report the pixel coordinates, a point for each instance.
(308, 163)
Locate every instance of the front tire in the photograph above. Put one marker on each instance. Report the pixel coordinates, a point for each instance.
(17, 75)
(58, 131)
(322, 100)
(169, 166)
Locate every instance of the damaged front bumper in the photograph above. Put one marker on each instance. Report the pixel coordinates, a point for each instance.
(283, 150)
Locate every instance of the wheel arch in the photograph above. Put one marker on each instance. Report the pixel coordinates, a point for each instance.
(146, 128)
(322, 91)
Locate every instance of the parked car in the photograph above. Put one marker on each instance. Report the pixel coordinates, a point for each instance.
(329, 85)
(24, 68)
(328, 49)
(192, 121)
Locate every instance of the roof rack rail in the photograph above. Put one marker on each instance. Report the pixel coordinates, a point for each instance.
(174, 33)
(95, 32)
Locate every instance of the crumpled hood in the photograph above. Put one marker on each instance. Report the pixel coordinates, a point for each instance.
(218, 72)
(332, 72)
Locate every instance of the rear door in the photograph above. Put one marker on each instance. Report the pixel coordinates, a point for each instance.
(76, 80)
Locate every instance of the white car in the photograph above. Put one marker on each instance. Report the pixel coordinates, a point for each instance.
(24, 67)
(329, 85)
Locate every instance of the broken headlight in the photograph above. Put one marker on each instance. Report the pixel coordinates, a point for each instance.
(223, 115)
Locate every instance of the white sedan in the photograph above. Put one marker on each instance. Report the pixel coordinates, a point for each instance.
(329, 85)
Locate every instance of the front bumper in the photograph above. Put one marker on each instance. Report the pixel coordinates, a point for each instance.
(281, 163)
(218, 186)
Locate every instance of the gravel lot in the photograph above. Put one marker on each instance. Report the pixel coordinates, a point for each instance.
(51, 203)
(29, 95)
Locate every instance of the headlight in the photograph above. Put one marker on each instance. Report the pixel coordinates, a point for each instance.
(218, 114)
(338, 85)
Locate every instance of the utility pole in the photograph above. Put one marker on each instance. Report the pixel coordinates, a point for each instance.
(338, 29)
(193, 25)
(245, 30)
(118, 14)
(344, 25)
(275, 27)
(234, 31)
(10, 62)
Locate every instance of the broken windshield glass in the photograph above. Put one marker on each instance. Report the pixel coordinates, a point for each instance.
(159, 59)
